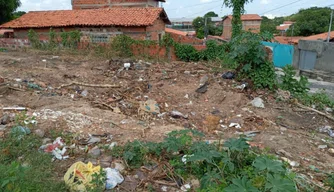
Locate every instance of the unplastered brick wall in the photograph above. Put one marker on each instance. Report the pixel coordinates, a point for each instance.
(14, 43)
(95, 4)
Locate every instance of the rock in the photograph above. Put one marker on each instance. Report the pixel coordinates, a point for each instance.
(322, 146)
(187, 72)
(320, 79)
(212, 122)
(41, 84)
(93, 140)
(5, 119)
(202, 89)
(39, 133)
(283, 129)
(204, 80)
(329, 110)
(331, 151)
(284, 153)
(119, 166)
(46, 140)
(106, 161)
(177, 114)
(195, 183)
(95, 151)
(16, 85)
(258, 102)
(2, 127)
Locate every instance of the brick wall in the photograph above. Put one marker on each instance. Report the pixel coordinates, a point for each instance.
(253, 26)
(14, 43)
(186, 39)
(104, 33)
(96, 4)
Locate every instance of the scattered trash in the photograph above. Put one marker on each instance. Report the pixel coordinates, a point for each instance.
(150, 106)
(329, 110)
(202, 89)
(177, 114)
(127, 66)
(242, 86)
(112, 145)
(291, 163)
(236, 125)
(164, 188)
(185, 158)
(328, 130)
(14, 108)
(322, 146)
(185, 187)
(228, 75)
(186, 96)
(84, 93)
(34, 86)
(251, 133)
(80, 175)
(258, 102)
(54, 148)
(113, 178)
(44, 60)
(20, 131)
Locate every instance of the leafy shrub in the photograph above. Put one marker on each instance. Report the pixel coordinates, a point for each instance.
(233, 168)
(186, 52)
(290, 83)
(213, 51)
(34, 39)
(247, 50)
(121, 44)
(320, 100)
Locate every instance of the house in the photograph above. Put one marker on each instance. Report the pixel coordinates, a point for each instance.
(184, 37)
(6, 33)
(283, 28)
(287, 40)
(184, 24)
(320, 37)
(250, 22)
(97, 4)
(95, 25)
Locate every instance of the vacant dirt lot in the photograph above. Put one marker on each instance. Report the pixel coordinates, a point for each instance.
(85, 107)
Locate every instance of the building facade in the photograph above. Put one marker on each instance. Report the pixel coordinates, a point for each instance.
(138, 23)
(96, 4)
(250, 22)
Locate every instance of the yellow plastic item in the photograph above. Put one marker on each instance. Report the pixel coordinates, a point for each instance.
(80, 175)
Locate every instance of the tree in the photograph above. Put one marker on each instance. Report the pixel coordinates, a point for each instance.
(7, 7)
(199, 25)
(18, 14)
(310, 21)
(269, 25)
(238, 7)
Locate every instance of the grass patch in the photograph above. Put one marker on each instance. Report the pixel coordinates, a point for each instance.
(24, 168)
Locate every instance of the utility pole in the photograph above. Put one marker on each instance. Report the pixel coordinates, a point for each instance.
(330, 27)
(206, 28)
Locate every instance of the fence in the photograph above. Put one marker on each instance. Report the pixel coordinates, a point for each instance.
(282, 54)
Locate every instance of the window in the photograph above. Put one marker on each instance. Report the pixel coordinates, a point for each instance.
(99, 38)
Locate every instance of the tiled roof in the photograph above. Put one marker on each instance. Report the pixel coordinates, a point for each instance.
(283, 27)
(247, 17)
(174, 31)
(287, 40)
(322, 36)
(89, 17)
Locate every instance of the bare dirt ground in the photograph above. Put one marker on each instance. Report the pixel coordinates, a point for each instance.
(283, 129)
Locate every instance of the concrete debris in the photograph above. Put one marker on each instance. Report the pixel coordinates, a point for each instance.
(258, 102)
(236, 125)
(95, 151)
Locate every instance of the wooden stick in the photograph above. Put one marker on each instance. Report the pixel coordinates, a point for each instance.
(314, 110)
(164, 183)
(16, 89)
(89, 85)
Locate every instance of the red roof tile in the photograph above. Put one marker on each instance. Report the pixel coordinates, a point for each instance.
(247, 17)
(322, 36)
(283, 27)
(287, 40)
(89, 17)
(182, 33)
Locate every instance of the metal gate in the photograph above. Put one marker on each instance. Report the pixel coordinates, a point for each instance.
(282, 54)
(307, 60)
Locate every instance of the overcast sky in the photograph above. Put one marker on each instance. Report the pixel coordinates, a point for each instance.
(193, 8)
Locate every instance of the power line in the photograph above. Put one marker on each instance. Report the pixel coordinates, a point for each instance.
(281, 7)
(172, 9)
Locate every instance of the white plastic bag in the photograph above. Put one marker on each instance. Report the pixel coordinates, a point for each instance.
(113, 178)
